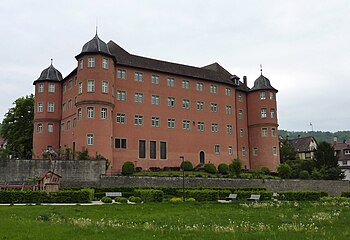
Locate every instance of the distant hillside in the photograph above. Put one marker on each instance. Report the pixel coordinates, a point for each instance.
(319, 135)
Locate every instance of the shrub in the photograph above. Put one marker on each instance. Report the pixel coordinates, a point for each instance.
(304, 174)
(236, 167)
(121, 199)
(186, 166)
(190, 200)
(209, 168)
(15, 196)
(128, 168)
(300, 195)
(330, 199)
(203, 195)
(150, 195)
(70, 196)
(138, 169)
(345, 194)
(223, 168)
(135, 199)
(106, 200)
(264, 195)
(175, 200)
(265, 170)
(316, 175)
(83, 155)
(284, 170)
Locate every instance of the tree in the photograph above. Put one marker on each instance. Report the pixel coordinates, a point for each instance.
(287, 151)
(284, 170)
(236, 167)
(17, 127)
(325, 157)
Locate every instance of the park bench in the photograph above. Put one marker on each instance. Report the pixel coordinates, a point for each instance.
(113, 194)
(231, 197)
(254, 197)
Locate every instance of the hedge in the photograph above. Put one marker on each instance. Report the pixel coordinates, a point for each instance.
(264, 195)
(150, 195)
(203, 195)
(300, 195)
(345, 194)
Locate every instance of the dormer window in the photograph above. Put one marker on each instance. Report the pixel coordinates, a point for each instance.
(346, 152)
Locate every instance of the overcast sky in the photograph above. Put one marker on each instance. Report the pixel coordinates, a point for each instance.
(304, 46)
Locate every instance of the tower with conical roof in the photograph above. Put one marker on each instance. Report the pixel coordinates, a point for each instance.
(47, 113)
(262, 125)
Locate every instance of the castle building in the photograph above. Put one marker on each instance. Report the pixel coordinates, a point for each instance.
(131, 108)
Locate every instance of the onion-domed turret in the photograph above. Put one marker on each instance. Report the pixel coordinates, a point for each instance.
(262, 83)
(96, 45)
(50, 74)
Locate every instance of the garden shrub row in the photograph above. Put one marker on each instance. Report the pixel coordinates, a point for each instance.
(345, 194)
(150, 195)
(300, 195)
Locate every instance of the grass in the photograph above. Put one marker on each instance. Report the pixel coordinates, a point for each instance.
(239, 220)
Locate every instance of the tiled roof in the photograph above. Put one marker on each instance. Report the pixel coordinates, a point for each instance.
(262, 83)
(302, 144)
(50, 74)
(339, 148)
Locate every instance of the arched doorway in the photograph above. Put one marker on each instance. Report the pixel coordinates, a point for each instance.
(201, 157)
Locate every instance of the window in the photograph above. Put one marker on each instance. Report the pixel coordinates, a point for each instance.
(240, 114)
(171, 123)
(213, 107)
(79, 113)
(228, 91)
(138, 97)
(186, 124)
(105, 63)
(307, 155)
(213, 88)
(262, 96)
(104, 86)
(62, 127)
(69, 103)
(68, 125)
(214, 127)
(51, 87)
(138, 77)
(74, 122)
(200, 126)
(171, 102)
(185, 84)
(121, 95)
(272, 96)
(40, 107)
(344, 162)
(155, 79)
(41, 88)
(155, 121)
(263, 113)
(229, 129)
(91, 62)
(70, 83)
(171, 82)
(120, 143)
(39, 128)
(200, 106)
(217, 149)
(200, 86)
(64, 88)
(91, 86)
(273, 132)
(50, 107)
(75, 81)
(90, 112)
(121, 118)
(229, 110)
(121, 73)
(103, 113)
(186, 103)
(155, 100)
(240, 98)
(80, 88)
(255, 151)
(63, 107)
(90, 139)
(152, 149)
(81, 63)
(138, 120)
(50, 127)
(272, 113)
(346, 152)
(142, 149)
(264, 132)
(230, 150)
(244, 152)
(75, 100)
(274, 151)
(163, 150)
(241, 132)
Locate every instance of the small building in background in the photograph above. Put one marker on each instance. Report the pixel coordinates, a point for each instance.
(305, 147)
(342, 150)
(49, 182)
(2, 143)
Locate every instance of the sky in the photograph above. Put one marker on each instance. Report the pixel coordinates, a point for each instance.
(303, 46)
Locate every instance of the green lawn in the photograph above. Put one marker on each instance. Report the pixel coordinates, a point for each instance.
(240, 220)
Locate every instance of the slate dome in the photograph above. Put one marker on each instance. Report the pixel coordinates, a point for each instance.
(50, 74)
(262, 83)
(95, 45)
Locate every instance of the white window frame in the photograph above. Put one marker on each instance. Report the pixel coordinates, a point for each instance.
(51, 87)
(171, 82)
(104, 113)
(171, 123)
(138, 76)
(90, 86)
(186, 103)
(155, 121)
(80, 88)
(228, 92)
(217, 149)
(229, 129)
(200, 86)
(264, 132)
(105, 85)
(213, 88)
(90, 112)
(155, 100)
(40, 107)
(50, 107)
(138, 97)
(91, 62)
(186, 124)
(138, 120)
(41, 87)
(185, 84)
(155, 79)
(105, 63)
(201, 126)
(213, 107)
(171, 102)
(121, 73)
(214, 127)
(50, 127)
(90, 139)
(262, 95)
(263, 112)
(121, 95)
(121, 118)
(228, 110)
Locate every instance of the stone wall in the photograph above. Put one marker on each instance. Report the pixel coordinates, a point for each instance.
(74, 172)
(334, 188)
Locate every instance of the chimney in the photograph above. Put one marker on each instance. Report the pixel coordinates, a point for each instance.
(245, 80)
(335, 140)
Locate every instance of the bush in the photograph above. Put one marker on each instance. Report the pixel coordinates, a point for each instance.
(284, 170)
(186, 166)
(209, 168)
(330, 199)
(345, 194)
(203, 195)
(69, 196)
(265, 170)
(106, 200)
(190, 200)
(150, 195)
(264, 195)
(175, 200)
(15, 196)
(299, 195)
(223, 168)
(121, 199)
(128, 168)
(304, 174)
(316, 175)
(135, 199)
(236, 167)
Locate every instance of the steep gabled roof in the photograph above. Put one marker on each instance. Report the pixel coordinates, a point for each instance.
(302, 144)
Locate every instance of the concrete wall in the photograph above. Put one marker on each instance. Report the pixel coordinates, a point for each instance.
(74, 173)
(333, 188)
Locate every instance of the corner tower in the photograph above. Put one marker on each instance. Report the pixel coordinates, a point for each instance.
(47, 113)
(262, 125)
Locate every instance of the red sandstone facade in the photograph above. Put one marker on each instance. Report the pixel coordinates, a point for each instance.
(130, 108)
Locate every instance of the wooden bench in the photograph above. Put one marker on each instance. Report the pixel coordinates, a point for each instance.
(113, 194)
(254, 197)
(231, 197)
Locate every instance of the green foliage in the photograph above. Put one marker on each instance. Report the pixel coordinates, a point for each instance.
(186, 166)
(284, 170)
(175, 200)
(236, 167)
(223, 168)
(210, 168)
(265, 170)
(345, 194)
(318, 135)
(135, 199)
(190, 200)
(17, 128)
(300, 195)
(203, 195)
(287, 151)
(150, 195)
(83, 155)
(324, 156)
(82, 196)
(304, 174)
(121, 199)
(106, 199)
(128, 168)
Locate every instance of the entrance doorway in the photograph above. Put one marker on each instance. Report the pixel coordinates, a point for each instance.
(201, 157)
